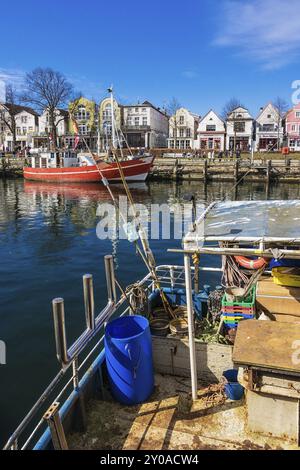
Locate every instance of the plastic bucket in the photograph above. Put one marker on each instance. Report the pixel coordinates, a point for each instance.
(233, 389)
(128, 352)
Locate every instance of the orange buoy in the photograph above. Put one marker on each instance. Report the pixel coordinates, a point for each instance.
(250, 263)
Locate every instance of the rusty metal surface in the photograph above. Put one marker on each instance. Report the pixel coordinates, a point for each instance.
(169, 420)
(268, 344)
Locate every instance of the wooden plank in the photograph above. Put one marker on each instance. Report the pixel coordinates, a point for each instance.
(171, 356)
(269, 344)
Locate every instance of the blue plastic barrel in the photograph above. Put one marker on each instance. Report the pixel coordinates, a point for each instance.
(128, 351)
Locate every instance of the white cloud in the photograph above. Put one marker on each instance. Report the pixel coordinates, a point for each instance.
(267, 31)
(189, 74)
(12, 76)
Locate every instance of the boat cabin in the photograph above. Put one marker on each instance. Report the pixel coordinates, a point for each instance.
(61, 159)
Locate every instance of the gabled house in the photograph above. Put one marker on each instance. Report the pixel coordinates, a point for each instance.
(211, 132)
(292, 127)
(269, 129)
(25, 123)
(183, 127)
(239, 125)
(105, 121)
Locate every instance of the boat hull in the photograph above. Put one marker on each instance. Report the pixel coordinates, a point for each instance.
(134, 170)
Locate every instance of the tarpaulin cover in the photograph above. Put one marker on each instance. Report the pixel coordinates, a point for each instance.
(233, 220)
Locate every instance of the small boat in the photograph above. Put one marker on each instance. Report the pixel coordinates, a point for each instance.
(71, 167)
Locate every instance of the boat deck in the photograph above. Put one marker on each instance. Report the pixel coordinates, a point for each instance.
(170, 420)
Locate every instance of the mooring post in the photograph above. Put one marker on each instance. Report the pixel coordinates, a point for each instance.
(56, 428)
(60, 330)
(205, 170)
(89, 306)
(236, 170)
(110, 278)
(269, 167)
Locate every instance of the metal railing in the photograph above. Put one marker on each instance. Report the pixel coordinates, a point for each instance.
(34, 425)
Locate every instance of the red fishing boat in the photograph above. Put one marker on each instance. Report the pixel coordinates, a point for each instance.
(69, 166)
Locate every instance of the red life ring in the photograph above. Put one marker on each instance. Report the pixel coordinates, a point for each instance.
(250, 263)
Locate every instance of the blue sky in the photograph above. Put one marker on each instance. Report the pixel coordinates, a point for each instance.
(202, 52)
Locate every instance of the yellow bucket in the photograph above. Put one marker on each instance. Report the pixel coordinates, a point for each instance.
(284, 276)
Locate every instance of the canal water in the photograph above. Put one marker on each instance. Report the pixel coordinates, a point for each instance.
(47, 242)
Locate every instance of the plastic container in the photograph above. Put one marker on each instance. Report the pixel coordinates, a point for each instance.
(234, 311)
(283, 262)
(179, 327)
(285, 276)
(233, 389)
(128, 351)
(160, 326)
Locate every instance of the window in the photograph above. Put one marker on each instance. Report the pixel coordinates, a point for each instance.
(187, 144)
(24, 119)
(136, 121)
(82, 114)
(181, 132)
(107, 112)
(181, 119)
(83, 129)
(129, 120)
(293, 127)
(297, 114)
(18, 130)
(268, 127)
(24, 130)
(269, 116)
(144, 110)
(211, 128)
(145, 121)
(136, 110)
(188, 132)
(30, 129)
(239, 126)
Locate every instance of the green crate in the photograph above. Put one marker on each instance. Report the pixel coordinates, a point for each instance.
(249, 302)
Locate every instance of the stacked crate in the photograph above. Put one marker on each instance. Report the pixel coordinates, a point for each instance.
(234, 312)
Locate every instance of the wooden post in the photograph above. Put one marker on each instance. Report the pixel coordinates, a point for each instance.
(236, 170)
(205, 170)
(269, 168)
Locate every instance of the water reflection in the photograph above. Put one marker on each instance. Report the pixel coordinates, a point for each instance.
(47, 241)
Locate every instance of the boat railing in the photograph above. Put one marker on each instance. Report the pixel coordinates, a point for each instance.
(80, 358)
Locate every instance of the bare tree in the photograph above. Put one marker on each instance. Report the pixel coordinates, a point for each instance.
(282, 107)
(232, 104)
(9, 111)
(47, 89)
(172, 107)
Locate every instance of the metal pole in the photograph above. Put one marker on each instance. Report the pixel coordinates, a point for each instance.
(110, 278)
(89, 307)
(56, 428)
(190, 311)
(60, 329)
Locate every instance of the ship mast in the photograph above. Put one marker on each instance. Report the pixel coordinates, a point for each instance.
(110, 90)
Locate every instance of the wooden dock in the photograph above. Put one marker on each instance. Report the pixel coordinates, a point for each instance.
(200, 169)
(192, 169)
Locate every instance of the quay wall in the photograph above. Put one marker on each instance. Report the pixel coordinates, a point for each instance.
(200, 169)
(182, 169)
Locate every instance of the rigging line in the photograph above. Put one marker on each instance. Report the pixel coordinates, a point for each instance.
(106, 184)
(143, 237)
